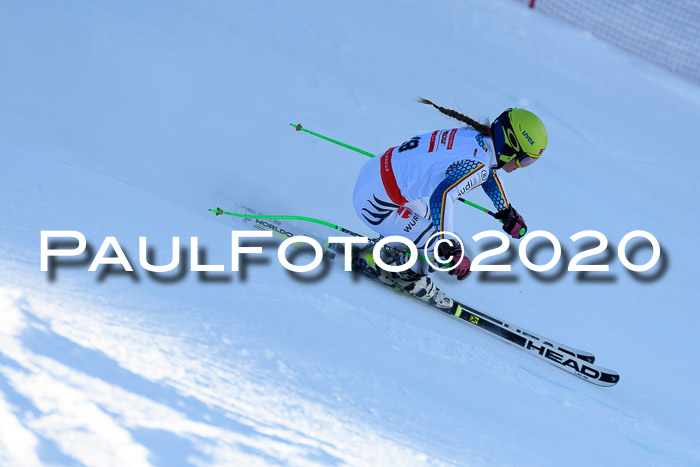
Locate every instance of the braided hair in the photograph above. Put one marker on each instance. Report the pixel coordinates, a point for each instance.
(483, 128)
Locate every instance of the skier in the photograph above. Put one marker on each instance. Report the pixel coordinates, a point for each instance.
(443, 166)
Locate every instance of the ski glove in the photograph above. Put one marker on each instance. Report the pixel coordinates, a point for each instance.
(513, 223)
(463, 263)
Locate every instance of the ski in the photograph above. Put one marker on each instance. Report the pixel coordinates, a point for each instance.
(577, 362)
(559, 355)
(581, 354)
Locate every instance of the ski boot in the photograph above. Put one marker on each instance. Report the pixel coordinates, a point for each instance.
(419, 285)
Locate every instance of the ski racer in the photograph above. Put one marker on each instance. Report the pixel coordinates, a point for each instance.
(443, 166)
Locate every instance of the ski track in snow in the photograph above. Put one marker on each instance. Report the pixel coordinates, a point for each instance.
(113, 386)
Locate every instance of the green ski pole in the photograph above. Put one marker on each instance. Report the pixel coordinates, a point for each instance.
(301, 128)
(219, 211)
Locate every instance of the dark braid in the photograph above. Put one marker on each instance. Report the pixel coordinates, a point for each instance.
(483, 128)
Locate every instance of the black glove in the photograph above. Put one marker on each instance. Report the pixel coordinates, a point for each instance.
(513, 223)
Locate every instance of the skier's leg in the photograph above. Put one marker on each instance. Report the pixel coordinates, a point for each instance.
(374, 207)
(378, 212)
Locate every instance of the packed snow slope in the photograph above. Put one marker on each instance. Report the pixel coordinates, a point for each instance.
(131, 119)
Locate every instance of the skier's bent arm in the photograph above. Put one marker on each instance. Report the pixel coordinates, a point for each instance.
(513, 222)
(461, 177)
(493, 188)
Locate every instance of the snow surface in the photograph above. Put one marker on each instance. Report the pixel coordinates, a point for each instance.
(131, 119)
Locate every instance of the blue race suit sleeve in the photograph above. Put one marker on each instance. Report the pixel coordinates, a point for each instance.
(493, 188)
(460, 177)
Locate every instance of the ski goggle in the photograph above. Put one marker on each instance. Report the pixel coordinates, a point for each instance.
(510, 147)
(522, 159)
(525, 161)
